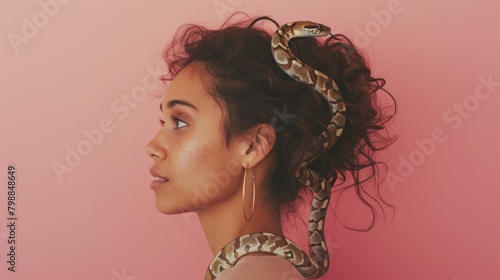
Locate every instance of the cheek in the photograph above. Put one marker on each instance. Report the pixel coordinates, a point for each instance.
(196, 164)
(198, 156)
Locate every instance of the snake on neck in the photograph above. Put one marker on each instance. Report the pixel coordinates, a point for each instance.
(316, 264)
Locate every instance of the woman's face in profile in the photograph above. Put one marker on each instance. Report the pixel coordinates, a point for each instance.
(189, 149)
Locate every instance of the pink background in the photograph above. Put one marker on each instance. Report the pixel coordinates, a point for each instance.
(99, 221)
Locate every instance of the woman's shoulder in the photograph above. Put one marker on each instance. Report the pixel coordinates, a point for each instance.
(262, 268)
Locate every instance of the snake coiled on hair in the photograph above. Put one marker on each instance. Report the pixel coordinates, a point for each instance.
(316, 264)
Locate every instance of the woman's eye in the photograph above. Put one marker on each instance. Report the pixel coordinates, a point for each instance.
(177, 121)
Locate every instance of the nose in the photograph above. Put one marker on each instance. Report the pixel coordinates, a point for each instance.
(154, 149)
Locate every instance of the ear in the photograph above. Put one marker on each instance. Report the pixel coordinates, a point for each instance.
(257, 144)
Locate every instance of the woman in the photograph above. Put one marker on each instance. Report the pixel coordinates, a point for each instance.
(248, 125)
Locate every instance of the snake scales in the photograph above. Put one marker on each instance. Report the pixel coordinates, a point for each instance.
(317, 263)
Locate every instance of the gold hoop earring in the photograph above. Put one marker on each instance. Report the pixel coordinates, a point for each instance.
(253, 202)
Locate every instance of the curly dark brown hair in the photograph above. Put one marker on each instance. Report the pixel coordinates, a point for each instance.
(251, 89)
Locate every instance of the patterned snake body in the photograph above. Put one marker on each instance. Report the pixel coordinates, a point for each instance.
(317, 264)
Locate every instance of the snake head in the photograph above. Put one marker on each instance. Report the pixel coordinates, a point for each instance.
(316, 29)
(303, 29)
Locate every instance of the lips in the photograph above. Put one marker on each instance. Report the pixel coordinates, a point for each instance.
(158, 179)
(157, 175)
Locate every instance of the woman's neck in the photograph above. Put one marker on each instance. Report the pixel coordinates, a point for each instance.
(224, 221)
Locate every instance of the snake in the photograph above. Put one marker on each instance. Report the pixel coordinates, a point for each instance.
(316, 264)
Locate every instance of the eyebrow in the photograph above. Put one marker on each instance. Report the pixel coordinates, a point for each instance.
(174, 102)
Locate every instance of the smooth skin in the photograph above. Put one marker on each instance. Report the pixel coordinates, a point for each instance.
(191, 150)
